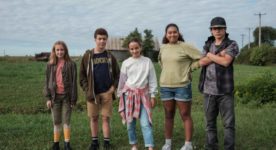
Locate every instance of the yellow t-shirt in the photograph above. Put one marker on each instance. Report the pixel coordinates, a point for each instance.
(177, 62)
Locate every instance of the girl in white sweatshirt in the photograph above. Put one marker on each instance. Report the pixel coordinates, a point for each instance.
(137, 88)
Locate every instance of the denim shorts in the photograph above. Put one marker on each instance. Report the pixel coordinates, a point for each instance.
(179, 93)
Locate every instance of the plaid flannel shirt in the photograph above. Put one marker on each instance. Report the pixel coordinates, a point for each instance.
(224, 75)
(129, 108)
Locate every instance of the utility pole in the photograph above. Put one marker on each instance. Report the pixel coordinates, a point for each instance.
(249, 34)
(260, 32)
(242, 35)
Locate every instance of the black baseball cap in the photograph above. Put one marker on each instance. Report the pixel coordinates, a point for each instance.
(218, 22)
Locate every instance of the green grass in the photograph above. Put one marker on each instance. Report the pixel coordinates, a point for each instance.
(255, 129)
(25, 123)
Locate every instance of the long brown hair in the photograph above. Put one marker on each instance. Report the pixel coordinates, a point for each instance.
(180, 37)
(53, 57)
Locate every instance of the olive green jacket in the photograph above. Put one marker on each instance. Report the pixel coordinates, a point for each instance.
(86, 73)
(69, 77)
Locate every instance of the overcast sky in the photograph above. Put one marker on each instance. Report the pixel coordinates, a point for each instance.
(31, 26)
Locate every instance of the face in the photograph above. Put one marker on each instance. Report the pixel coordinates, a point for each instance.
(101, 41)
(60, 51)
(134, 49)
(218, 32)
(172, 34)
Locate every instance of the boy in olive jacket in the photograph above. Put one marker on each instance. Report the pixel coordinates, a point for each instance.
(99, 76)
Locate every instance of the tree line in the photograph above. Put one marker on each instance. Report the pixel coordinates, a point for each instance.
(263, 55)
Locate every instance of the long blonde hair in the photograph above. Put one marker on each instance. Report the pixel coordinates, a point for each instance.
(53, 57)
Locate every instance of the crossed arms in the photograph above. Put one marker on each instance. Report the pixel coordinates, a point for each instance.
(221, 58)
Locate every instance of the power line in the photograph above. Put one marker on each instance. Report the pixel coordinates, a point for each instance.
(260, 32)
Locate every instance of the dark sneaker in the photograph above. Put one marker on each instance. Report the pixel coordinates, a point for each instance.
(56, 146)
(67, 146)
(94, 146)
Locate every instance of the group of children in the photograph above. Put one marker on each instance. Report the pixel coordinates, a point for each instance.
(136, 86)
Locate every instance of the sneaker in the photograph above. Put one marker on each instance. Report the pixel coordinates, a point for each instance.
(67, 146)
(55, 146)
(166, 147)
(187, 147)
(94, 146)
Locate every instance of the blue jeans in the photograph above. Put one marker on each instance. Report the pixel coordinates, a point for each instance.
(146, 129)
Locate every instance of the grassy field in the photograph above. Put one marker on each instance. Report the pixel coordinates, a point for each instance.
(25, 123)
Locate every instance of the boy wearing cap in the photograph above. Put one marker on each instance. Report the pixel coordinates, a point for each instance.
(217, 84)
(99, 75)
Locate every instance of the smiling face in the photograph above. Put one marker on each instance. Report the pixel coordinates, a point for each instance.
(172, 34)
(60, 51)
(134, 49)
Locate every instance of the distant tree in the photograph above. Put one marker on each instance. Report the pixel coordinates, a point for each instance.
(131, 35)
(148, 43)
(268, 35)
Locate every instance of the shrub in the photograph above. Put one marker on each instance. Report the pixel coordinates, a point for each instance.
(272, 56)
(263, 55)
(244, 55)
(260, 90)
(260, 56)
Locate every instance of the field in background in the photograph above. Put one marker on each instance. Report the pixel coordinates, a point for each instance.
(25, 123)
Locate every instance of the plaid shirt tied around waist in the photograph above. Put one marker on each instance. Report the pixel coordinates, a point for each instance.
(129, 108)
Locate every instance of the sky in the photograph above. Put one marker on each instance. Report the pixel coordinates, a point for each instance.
(32, 26)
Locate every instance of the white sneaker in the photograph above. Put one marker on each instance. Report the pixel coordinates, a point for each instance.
(187, 147)
(166, 147)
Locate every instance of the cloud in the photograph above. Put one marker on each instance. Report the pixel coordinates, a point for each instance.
(36, 25)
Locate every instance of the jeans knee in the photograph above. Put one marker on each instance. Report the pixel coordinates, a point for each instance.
(131, 128)
(229, 122)
(145, 124)
(229, 125)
